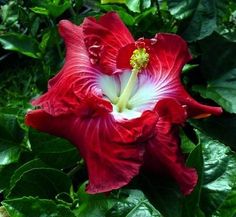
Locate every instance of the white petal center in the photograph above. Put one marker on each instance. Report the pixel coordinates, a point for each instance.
(144, 95)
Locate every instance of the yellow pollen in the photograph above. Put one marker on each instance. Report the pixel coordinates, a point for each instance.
(138, 61)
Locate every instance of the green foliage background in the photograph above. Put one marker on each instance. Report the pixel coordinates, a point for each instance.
(43, 175)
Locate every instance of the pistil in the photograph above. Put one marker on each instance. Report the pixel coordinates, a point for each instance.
(138, 61)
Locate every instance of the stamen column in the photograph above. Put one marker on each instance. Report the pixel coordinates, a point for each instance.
(138, 61)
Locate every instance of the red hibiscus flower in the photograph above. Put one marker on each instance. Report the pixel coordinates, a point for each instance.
(120, 101)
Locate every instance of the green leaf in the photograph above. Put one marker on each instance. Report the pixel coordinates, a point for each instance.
(5, 174)
(228, 208)
(46, 39)
(191, 203)
(35, 26)
(182, 9)
(126, 18)
(9, 16)
(55, 151)
(10, 130)
(64, 198)
(9, 154)
(11, 136)
(215, 128)
(41, 182)
(133, 203)
(112, 1)
(219, 175)
(146, 15)
(36, 163)
(203, 16)
(21, 43)
(93, 205)
(123, 203)
(133, 5)
(146, 4)
(189, 67)
(163, 193)
(39, 10)
(52, 8)
(186, 144)
(219, 69)
(35, 207)
(221, 90)
(227, 28)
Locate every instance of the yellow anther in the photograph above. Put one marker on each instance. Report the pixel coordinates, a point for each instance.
(139, 59)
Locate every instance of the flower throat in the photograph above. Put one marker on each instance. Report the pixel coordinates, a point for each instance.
(138, 61)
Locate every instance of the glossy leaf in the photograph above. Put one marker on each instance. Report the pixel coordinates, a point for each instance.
(124, 203)
(93, 205)
(163, 193)
(9, 154)
(133, 5)
(221, 90)
(203, 16)
(186, 144)
(133, 204)
(5, 174)
(215, 128)
(11, 136)
(214, 193)
(21, 43)
(49, 182)
(53, 150)
(228, 208)
(19, 172)
(35, 207)
(10, 130)
(191, 203)
(219, 175)
(219, 71)
(138, 5)
(40, 10)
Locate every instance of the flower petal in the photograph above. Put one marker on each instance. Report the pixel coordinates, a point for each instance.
(167, 58)
(167, 55)
(113, 151)
(109, 34)
(124, 55)
(163, 154)
(77, 78)
(41, 120)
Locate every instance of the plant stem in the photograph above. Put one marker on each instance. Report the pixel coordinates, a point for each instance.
(76, 168)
